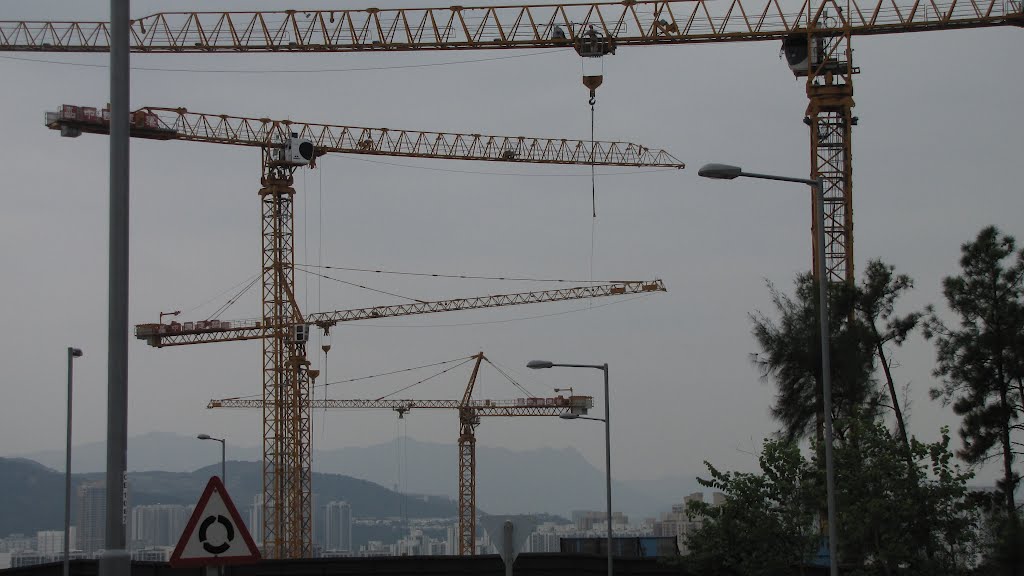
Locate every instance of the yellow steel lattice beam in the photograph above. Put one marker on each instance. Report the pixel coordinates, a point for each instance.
(515, 26)
(176, 334)
(180, 124)
(516, 407)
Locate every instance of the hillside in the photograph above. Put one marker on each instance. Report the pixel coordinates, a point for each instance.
(32, 495)
(502, 486)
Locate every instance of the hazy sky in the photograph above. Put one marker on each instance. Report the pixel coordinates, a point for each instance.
(936, 158)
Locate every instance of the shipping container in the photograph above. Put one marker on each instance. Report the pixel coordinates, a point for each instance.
(68, 112)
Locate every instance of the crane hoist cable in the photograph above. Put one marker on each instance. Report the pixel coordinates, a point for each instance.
(446, 370)
(353, 284)
(231, 301)
(510, 379)
(279, 70)
(360, 378)
(457, 276)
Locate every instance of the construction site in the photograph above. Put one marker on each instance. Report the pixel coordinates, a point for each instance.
(271, 203)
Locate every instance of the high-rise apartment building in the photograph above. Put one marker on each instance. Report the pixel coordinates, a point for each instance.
(256, 520)
(92, 507)
(338, 526)
(51, 542)
(159, 524)
(586, 520)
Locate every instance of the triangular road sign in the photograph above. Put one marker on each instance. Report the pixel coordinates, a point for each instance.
(215, 534)
(522, 527)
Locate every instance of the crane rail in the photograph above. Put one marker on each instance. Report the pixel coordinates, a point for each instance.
(177, 334)
(180, 124)
(627, 22)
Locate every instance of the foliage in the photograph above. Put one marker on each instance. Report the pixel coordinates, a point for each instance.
(792, 358)
(895, 519)
(981, 360)
(767, 523)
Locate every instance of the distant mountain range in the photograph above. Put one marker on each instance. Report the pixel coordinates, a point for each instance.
(32, 495)
(544, 480)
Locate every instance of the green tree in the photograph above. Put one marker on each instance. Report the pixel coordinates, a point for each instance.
(899, 520)
(766, 524)
(981, 361)
(791, 358)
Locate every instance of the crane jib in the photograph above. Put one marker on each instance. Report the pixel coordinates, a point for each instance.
(632, 23)
(195, 332)
(158, 123)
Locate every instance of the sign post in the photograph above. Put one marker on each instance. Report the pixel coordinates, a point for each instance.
(215, 534)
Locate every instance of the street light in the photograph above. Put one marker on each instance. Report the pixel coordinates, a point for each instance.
(72, 354)
(223, 478)
(539, 364)
(727, 172)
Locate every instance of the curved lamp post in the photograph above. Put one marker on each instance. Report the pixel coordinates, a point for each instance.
(72, 354)
(539, 364)
(728, 172)
(223, 478)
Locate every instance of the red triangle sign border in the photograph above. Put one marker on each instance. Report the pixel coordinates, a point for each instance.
(198, 514)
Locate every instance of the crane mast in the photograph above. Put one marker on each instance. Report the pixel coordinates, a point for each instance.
(286, 146)
(470, 413)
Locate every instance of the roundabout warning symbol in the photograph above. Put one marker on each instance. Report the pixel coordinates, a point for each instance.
(215, 534)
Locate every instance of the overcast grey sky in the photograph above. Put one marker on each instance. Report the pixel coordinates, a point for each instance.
(936, 157)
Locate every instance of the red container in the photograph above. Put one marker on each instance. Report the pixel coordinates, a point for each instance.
(68, 112)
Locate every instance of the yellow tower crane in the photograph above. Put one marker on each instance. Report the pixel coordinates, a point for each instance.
(470, 413)
(286, 146)
(816, 39)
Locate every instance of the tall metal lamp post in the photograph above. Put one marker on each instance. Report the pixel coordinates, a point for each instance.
(538, 364)
(223, 478)
(72, 354)
(727, 172)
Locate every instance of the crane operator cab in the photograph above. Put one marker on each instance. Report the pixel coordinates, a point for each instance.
(296, 151)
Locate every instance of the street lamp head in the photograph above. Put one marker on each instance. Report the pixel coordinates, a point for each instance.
(204, 437)
(538, 364)
(720, 171)
(76, 352)
(568, 416)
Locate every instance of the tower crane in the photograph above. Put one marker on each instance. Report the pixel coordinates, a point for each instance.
(285, 147)
(816, 40)
(470, 413)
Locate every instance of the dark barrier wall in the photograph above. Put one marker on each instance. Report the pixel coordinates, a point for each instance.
(526, 565)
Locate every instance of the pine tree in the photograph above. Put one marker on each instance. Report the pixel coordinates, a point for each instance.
(981, 361)
(791, 359)
(875, 303)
